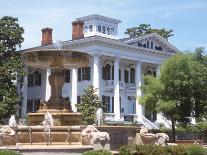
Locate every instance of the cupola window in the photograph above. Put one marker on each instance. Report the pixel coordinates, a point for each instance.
(108, 30)
(90, 28)
(104, 29)
(99, 28)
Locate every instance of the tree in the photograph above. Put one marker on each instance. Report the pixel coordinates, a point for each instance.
(89, 104)
(144, 29)
(10, 64)
(179, 91)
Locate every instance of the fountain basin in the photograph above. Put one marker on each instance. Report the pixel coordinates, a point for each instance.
(55, 58)
(59, 118)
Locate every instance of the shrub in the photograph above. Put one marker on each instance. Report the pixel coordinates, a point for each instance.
(97, 152)
(176, 150)
(150, 149)
(9, 152)
(125, 150)
(196, 150)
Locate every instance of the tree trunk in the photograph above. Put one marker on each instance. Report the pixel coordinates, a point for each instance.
(173, 130)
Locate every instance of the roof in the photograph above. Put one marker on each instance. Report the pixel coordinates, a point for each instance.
(112, 20)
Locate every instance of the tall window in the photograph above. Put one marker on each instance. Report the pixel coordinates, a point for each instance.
(84, 74)
(90, 28)
(108, 30)
(126, 76)
(99, 28)
(30, 80)
(147, 44)
(104, 29)
(67, 76)
(132, 75)
(112, 31)
(29, 105)
(106, 104)
(33, 105)
(36, 105)
(152, 45)
(106, 72)
(37, 78)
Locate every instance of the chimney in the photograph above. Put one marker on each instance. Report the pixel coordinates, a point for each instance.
(77, 30)
(46, 36)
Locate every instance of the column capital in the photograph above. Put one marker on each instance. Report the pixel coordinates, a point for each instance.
(139, 61)
(117, 58)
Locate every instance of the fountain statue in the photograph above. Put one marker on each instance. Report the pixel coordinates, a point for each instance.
(7, 131)
(99, 140)
(150, 138)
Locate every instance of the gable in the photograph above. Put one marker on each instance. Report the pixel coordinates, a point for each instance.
(152, 42)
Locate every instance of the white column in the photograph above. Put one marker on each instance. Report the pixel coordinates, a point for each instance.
(96, 74)
(47, 85)
(139, 109)
(158, 71)
(24, 93)
(116, 90)
(74, 89)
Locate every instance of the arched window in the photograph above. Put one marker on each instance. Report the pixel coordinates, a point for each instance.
(147, 44)
(67, 76)
(152, 45)
(104, 29)
(108, 30)
(90, 28)
(99, 28)
(37, 78)
(126, 76)
(112, 31)
(106, 72)
(132, 75)
(86, 29)
(139, 44)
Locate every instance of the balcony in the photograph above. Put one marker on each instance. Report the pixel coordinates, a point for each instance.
(130, 86)
(109, 84)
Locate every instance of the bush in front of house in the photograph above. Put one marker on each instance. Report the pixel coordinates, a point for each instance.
(196, 150)
(97, 152)
(9, 152)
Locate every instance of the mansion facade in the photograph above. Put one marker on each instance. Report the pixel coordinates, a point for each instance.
(116, 68)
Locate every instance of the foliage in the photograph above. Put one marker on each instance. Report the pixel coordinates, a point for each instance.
(179, 91)
(10, 64)
(125, 150)
(89, 104)
(196, 150)
(151, 149)
(144, 29)
(97, 152)
(8, 152)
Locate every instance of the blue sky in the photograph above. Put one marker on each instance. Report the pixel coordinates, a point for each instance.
(188, 18)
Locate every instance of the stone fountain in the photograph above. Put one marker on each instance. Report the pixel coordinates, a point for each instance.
(57, 60)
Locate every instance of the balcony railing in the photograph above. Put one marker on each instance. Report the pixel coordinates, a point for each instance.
(110, 84)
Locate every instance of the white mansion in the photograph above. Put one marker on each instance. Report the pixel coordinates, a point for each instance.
(116, 68)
